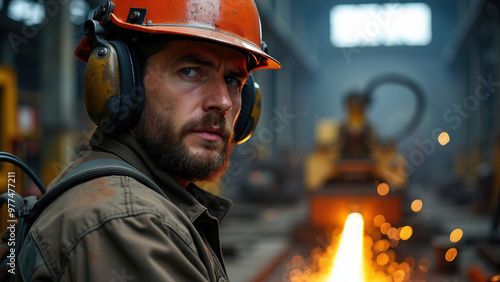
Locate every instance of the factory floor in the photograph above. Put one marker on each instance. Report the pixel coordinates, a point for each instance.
(255, 243)
(258, 246)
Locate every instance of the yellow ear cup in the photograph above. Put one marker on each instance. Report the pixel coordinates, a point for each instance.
(101, 83)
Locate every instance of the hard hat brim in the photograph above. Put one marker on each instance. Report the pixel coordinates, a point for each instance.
(265, 62)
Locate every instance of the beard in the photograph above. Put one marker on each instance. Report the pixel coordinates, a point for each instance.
(166, 147)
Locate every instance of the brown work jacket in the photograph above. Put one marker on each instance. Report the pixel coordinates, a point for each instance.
(116, 229)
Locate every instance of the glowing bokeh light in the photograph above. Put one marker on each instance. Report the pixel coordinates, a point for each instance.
(393, 234)
(368, 242)
(406, 232)
(383, 189)
(382, 259)
(451, 254)
(399, 276)
(456, 235)
(378, 220)
(385, 228)
(416, 205)
(443, 138)
(381, 246)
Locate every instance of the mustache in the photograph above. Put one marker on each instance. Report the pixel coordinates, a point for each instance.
(209, 120)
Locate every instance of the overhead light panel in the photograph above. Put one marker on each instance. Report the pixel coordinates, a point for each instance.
(392, 24)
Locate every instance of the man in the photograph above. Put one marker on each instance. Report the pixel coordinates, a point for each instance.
(194, 58)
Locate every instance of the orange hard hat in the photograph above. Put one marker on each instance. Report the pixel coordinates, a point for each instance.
(231, 22)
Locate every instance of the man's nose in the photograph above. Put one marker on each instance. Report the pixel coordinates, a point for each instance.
(218, 98)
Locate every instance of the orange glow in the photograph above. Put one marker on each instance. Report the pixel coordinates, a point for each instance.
(456, 235)
(451, 254)
(379, 220)
(385, 228)
(382, 259)
(368, 242)
(392, 257)
(348, 264)
(416, 205)
(393, 234)
(405, 267)
(358, 253)
(399, 276)
(381, 246)
(383, 189)
(406, 232)
(444, 138)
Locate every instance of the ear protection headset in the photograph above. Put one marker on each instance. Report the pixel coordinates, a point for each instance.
(114, 93)
(250, 111)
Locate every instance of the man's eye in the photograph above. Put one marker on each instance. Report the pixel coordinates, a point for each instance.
(233, 82)
(188, 72)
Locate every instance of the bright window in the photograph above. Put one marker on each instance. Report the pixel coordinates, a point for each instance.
(33, 13)
(27, 12)
(392, 24)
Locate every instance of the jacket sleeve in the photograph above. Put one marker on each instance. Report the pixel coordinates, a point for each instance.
(137, 248)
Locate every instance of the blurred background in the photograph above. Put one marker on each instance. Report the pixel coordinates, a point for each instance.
(386, 108)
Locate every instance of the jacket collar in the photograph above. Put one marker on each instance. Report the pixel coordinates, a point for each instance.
(192, 200)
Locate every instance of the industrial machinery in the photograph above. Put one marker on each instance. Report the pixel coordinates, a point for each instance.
(8, 112)
(8, 131)
(351, 169)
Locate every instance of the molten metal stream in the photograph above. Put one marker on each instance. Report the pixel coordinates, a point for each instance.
(348, 263)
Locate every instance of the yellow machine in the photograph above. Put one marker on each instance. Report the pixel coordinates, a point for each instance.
(9, 133)
(8, 109)
(8, 119)
(349, 163)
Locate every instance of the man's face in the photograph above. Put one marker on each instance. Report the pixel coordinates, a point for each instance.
(193, 97)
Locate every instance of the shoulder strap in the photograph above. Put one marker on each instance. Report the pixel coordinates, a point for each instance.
(88, 171)
(29, 208)
(15, 200)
